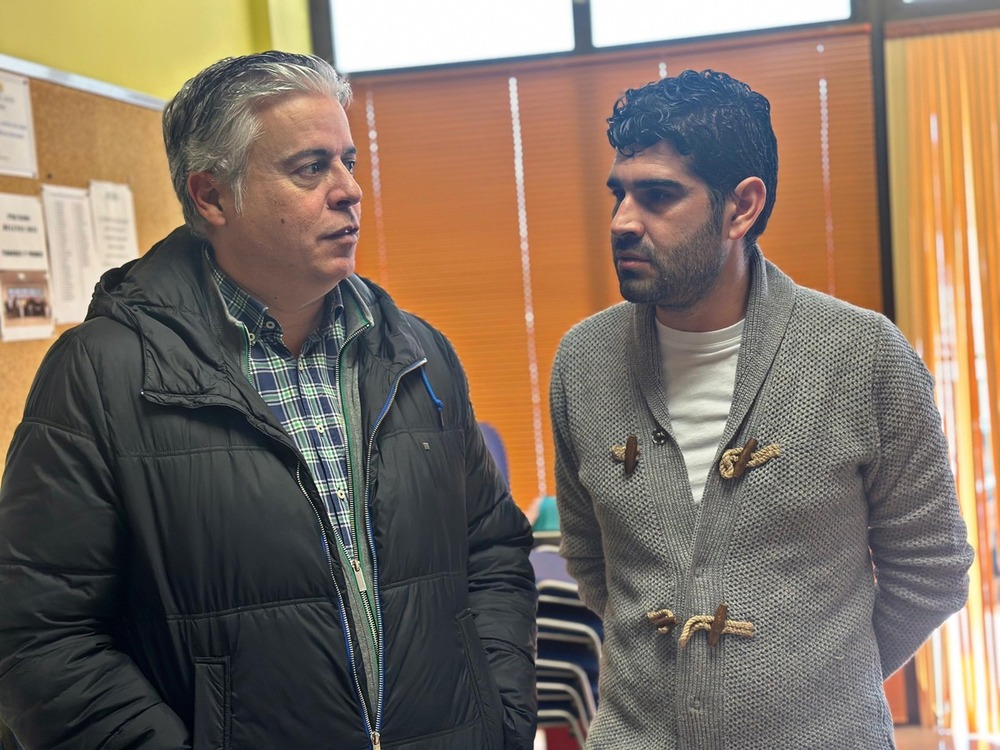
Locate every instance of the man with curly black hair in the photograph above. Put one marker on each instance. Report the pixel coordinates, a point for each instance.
(754, 488)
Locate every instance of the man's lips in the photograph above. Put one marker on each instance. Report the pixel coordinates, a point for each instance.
(348, 231)
(630, 258)
(628, 250)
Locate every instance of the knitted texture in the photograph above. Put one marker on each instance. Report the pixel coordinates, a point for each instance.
(844, 549)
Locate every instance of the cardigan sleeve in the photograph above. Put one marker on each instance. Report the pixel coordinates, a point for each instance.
(580, 533)
(916, 533)
(64, 683)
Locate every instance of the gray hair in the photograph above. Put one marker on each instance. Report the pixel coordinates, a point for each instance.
(210, 125)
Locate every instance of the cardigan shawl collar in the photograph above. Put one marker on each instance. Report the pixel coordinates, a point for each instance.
(772, 297)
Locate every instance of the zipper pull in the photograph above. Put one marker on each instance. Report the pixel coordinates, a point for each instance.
(376, 741)
(359, 576)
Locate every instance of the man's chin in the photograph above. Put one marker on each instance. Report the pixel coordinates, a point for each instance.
(634, 290)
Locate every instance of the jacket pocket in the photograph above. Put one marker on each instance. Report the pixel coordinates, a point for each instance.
(212, 691)
(486, 693)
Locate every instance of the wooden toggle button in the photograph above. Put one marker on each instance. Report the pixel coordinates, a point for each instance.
(718, 624)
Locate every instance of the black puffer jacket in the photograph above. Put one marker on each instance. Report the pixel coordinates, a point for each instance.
(163, 567)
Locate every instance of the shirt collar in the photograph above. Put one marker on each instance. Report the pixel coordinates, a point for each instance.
(253, 314)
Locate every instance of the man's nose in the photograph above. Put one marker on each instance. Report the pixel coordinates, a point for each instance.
(345, 190)
(625, 219)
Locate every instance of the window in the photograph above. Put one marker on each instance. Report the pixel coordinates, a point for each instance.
(365, 36)
(904, 9)
(620, 22)
(373, 35)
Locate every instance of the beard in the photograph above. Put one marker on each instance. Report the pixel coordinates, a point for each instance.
(680, 275)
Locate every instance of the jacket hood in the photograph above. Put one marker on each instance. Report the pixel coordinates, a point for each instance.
(188, 342)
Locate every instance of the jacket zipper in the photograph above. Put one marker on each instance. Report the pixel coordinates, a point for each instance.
(359, 578)
(372, 734)
(376, 737)
(355, 561)
(246, 352)
(374, 624)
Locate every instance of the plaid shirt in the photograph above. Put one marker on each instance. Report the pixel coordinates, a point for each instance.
(304, 394)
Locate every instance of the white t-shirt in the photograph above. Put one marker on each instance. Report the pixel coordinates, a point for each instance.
(699, 370)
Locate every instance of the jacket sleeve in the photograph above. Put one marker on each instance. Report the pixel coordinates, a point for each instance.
(502, 594)
(916, 533)
(63, 682)
(580, 533)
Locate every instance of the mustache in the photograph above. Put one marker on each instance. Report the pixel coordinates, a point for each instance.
(630, 243)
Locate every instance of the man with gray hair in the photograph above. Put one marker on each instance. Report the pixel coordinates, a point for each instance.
(249, 505)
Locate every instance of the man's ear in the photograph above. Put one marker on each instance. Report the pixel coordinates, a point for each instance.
(205, 190)
(744, 206)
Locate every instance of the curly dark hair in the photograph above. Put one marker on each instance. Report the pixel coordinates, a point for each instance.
(719, 124)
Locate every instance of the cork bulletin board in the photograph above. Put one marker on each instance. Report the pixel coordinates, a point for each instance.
(83, 136)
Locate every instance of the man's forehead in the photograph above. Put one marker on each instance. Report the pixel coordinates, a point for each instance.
(302, 121)
(659, 159)
(284, 97)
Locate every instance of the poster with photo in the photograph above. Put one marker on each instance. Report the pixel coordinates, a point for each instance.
(25, 298)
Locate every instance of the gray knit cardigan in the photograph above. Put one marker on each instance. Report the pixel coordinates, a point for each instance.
(839, 556)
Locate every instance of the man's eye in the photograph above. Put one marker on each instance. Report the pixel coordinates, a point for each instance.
(312, 169)
(350, 165)
(617, 197)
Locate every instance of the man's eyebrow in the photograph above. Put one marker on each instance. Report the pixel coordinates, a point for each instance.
(648, 184)
(319, 153)
(306, 154)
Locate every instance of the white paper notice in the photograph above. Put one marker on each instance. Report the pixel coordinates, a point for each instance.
(114, 224)
(72, 257)
(24, 279)
(17, 128)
